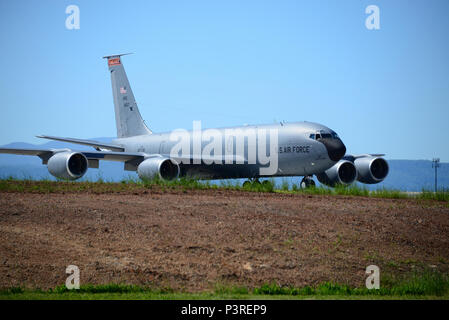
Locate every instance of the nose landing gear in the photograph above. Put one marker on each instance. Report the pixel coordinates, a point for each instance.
(307, 182)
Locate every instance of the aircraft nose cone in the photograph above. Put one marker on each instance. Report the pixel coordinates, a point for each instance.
(335, 148)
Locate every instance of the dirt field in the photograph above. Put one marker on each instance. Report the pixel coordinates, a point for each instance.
(194, 240)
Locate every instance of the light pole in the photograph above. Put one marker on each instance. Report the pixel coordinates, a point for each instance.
(436, 165)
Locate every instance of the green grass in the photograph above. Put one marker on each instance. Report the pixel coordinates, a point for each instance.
(199, 296)
(440, 195)
(425, 285)
(429, 283)
(11, 184)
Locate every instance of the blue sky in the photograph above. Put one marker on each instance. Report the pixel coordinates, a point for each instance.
(230, 63)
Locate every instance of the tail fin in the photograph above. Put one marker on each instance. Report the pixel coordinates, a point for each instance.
(128, 120)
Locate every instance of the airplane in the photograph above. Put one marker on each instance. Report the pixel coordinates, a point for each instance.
(295, 149)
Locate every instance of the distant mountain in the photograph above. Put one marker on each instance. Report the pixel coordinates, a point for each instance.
(415, 175)
(406, 175)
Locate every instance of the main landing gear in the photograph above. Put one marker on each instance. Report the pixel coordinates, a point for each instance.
(307, 182)
(255, 182)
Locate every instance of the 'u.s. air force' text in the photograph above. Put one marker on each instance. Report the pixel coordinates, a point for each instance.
(294, 149)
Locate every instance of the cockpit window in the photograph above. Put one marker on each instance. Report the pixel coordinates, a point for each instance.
(335, 135)
(323, 135)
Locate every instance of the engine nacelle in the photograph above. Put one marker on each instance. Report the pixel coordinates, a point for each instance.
(343, 172)
(68, 165)
(371, 169)
(164, 168)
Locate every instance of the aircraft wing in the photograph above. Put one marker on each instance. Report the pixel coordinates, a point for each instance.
(209, 158)
(352, 158)
(97, 145)
(368, 155)
(131, 160)
(114, 156)
(28, 152)
(45, 154)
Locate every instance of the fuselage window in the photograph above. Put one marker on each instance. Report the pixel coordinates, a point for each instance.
(312, 136)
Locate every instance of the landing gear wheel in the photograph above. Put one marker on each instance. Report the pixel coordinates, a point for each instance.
(266, 182)
(247, 184)
(307, 182)
(251, 183)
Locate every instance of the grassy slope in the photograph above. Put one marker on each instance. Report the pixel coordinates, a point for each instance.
(47, 186)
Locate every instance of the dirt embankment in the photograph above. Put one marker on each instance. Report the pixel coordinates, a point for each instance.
(194, 240)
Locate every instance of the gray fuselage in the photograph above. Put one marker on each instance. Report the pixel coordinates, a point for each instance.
(298, 154)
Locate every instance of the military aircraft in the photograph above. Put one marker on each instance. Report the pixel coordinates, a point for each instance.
(294, 149)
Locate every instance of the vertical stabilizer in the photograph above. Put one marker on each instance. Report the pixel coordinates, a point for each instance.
(128, 120)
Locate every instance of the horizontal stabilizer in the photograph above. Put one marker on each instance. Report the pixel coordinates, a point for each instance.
(97, 145)
(117, 55)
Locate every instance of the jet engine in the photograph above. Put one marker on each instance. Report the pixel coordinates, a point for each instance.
(163, 168)
(371, 169)
(343, 172)
(68, 165)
